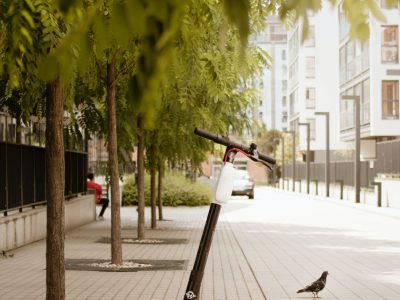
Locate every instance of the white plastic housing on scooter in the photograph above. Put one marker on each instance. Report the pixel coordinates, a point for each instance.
(225, 184)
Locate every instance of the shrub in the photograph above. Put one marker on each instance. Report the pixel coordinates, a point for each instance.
(177, 190)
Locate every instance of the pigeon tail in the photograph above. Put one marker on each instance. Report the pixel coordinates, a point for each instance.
(301, 291)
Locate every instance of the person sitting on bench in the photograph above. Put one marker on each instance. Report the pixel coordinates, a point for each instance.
(91, 184)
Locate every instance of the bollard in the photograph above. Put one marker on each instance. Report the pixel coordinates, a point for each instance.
(379, 185)
(316, 185)
(341, 188)
(299, 181)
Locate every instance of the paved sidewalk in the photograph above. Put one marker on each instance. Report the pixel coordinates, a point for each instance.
(266, 248)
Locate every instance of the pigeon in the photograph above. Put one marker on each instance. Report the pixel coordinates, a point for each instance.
(316, 286)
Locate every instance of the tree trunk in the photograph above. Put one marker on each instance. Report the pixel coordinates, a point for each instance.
(55, 267)
(153, 165)
(116, 248)
(153, 196)
(140, 177)
(159, 194)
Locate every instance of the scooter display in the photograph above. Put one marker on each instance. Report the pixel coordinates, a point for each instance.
(222, 195)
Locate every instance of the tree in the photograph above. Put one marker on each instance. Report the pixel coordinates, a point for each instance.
(155, 49)
(33, 30)
(115, 59)
(202, 78)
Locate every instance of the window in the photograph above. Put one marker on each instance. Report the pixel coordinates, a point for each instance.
(284, 70)
(277, 33)
(293, 45)
(312, 128)
(365, 106)
(353, 60)
(310, 98)
(284, 101)
(310, 40)
(347, 111)
(389, 4)
(342, 64)
(293, 103)
(390, 99)
(310, 67)
(293, 69)
(389, 44)
(284, 85)
(357, 57)
(350, 64)
(365, 56)
(283, 54)
(284, 117)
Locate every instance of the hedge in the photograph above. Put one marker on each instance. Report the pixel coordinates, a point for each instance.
(177, 190)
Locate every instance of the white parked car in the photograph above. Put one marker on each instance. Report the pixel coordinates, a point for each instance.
(243, 185)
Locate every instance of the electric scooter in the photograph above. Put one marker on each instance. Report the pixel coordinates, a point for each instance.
(222, 195)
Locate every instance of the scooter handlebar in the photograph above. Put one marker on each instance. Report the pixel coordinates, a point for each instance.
(223, 140)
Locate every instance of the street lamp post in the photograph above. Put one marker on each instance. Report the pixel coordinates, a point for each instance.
(327, 151)
(293, 158)
(357, 175)
(307, 155)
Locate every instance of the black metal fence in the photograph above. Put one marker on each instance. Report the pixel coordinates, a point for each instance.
(23, 175)
(387, 161)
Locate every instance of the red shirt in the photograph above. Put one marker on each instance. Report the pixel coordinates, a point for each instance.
(95, 186)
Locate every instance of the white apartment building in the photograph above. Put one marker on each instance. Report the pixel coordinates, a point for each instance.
(329, 64)
(272, 107)
(313, 76)
(371, 70)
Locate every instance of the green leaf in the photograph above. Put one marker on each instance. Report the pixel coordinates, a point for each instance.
(27, 16)
(27, 35)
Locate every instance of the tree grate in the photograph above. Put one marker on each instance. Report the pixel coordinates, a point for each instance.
(152, 241)
(131, 265)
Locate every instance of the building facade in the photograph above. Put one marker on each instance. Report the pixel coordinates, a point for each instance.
(328, 65)
(313, 76)
(271, 110)
(370, 69)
